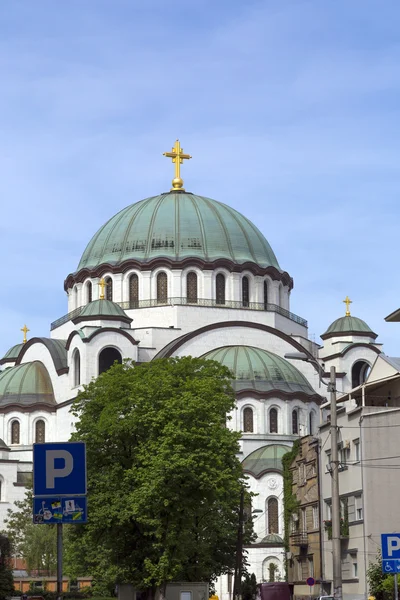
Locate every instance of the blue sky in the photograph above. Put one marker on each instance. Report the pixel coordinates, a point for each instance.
(290, 109)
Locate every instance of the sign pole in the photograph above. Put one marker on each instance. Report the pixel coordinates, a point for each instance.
(396, 589)
(59, 560)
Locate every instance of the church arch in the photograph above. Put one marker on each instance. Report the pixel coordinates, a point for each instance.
(191, 288)
(271, 569)
(76, 360)
(359, 372)
(107, 358)
(162, 288)
(220, 285)
(245, 291)
(133, 290)
(15, 432)
(109, 289)
(40, 431)
(273, 420)
(248, 420)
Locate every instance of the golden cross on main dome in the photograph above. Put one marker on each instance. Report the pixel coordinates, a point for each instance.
(178, 157)
(347, 302)
(25, 330)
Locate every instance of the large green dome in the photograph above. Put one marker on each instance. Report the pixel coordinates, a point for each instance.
(178, 225)
(260, 370)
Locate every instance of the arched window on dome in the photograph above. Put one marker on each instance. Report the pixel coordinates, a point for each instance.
(272, 516)
(359, 373)
(191, 288)
(265, 295)
(220, 289)
(311, 421)
(15, 432)
(89, 292)
(133, 291)
(40, 432)
(77, 368)
(245, 291)
(162, 288)
(248, 420)
(295, 422)
(109, 289)
(273, 420)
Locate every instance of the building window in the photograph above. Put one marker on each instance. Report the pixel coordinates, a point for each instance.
(299, 569)
(315, 516)
(162, 288)
(302, 474)
(273, 420)
(311, 423)
(109, 289)
(355, 569)
(15, 432)
(356, 450)
(245, 291)
(107, 357)
(303, 515)
(133, 291)
(310, 566)
(265, 295)
(272, 515)
(295, 422)
(220, 289)
(77, 368)
(191, 288)
(358, 507)
(343, 456)
(40, 432)
(359, 373)
(186, 596)
(328, 511)
(328, 462)
(89, 292)
(248, 420)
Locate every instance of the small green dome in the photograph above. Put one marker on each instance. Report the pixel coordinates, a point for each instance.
(25, 385)
(348, 326)
(260, 370)
(12, 353)
(177, 226)
(267, 458)
(274, 539)
(102, 309)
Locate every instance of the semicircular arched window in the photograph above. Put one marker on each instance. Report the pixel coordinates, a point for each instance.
(15, 432)
(89, 292)
(295, 421)
(245, 291)
(272, 515)
(133, 291)
(220, 289)
(248, 420)
(40, 431)
(109, 289)
(191, 288)
(162, 288)
(273, 420)
(107, 357)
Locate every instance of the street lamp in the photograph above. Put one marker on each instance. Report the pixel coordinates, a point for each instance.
(336, 550)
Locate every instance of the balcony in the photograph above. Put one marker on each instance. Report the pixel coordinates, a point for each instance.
(212, 303)
(299, 538)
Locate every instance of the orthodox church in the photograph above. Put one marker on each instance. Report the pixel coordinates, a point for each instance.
(172, 275)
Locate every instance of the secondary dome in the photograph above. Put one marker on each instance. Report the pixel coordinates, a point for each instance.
(12, 354)
(178, 225)
(25, 385)
(102, 309)
(348, 325)
(260, 370)
(267, 458)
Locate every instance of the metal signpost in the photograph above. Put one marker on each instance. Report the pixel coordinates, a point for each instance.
(391, 557)
(59, 489)
(310, 582)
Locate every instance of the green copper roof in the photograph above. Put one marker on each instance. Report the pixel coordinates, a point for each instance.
(12, 353)
(260, 370)
(267, 458)
(177, 226)
(274, 539)
(102, 309)
(348, 325)
(26, 384)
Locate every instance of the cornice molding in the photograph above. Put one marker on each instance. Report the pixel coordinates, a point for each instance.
(98, 332)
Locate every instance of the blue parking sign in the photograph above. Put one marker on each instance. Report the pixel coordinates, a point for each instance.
(59, 469)
(390, 546)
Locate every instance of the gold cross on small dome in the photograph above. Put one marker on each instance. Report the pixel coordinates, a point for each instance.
(178, 157)
(102, 284)
(25, 330)
(347, 302)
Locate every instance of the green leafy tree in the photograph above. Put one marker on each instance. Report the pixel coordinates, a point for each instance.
(36, 544)
(249, 587)
(6, 574)
(381, 585)
(163, 477)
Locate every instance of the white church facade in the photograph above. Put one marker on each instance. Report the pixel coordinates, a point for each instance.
(173, 275)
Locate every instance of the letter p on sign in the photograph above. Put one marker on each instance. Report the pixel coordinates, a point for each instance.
(393, 544)
(52, 471)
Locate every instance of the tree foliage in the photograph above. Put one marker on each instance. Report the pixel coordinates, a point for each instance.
(36, 544)
(163, 477)
(6, 575)
(381, 585)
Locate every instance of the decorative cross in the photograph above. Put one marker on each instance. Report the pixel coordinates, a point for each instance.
(102, 283)
(25, 331)
(347, 302)
(178, 157)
